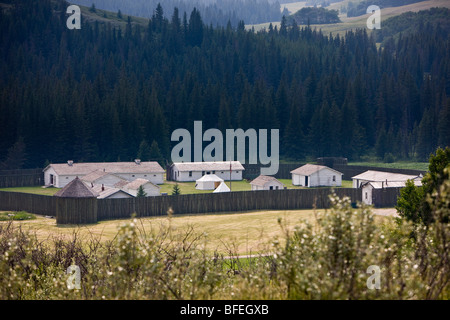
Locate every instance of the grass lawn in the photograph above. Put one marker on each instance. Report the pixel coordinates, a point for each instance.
(243, 233)
(395, 165)
(34, 190)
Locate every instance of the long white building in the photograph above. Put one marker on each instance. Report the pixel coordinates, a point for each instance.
(60, 174)
(192, 171)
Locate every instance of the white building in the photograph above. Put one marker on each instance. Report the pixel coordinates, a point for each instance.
(60, 174)
(368, 187)
(132, 188)
(208, 182)
(311, 175)
(266, 183)
(381, 176)
(192, 171)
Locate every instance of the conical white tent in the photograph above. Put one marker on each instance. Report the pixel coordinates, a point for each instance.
(222, 188)
(208, 182)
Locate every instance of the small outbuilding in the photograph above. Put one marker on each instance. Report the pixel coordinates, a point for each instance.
(312, 175)
(208, 182)
(374, 193)
(266, 183)
(76, 204)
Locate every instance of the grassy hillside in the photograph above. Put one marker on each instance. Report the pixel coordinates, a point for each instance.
(358, 22)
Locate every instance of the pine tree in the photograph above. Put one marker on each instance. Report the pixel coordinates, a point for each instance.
(144, 151)
(176, 190)
(141, 192)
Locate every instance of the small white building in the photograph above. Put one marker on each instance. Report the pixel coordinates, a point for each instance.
(382, 176)
(60, 174)
(208, 182)
(368, 187)
(312, 175)
(132, 188)
(222, 188)
(192, 171)
(266, 183)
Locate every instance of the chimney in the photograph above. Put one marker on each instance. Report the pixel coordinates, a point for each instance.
(70, 162)
(137, 161)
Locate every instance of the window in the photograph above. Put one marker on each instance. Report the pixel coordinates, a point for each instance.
(222, 172)
(214, 172)
(276, 187)
(154, 175)
(132, 175)
(203, 173)
(145, 175)
(334, 178)
(208, 172)
(67, 177)
(237, 171)
(190, 173)
(366, 195)
(271, 187)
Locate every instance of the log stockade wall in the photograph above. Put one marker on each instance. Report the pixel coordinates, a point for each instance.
(21, 178)
(83, 211)
(385, 198)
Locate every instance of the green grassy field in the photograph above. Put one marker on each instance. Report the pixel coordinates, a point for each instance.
(354, 23)
(228, 233)
(395, 165)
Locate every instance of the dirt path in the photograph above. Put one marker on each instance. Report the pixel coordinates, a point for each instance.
(389, 212)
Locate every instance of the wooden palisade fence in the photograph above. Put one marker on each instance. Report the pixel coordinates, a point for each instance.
(91, 210)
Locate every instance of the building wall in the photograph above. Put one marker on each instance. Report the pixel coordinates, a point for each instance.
(322, 178)
(367, 194)
(225, 175)
(325, 178)
(267, 186)
(149, 189)
(298, 180)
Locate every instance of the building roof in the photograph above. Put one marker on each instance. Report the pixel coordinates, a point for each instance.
(209, 166)
(97, 174)
(210, 177)
(106, 192)
(263, 180)
(109, 167)
(309, 169)
(390, 184)
(222, 188)
(76, 189)
(372, 175)
(134, 185)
